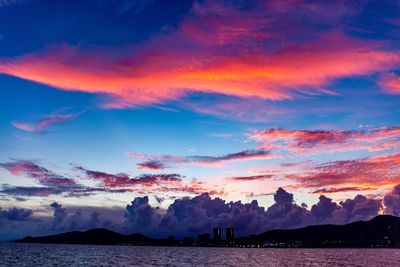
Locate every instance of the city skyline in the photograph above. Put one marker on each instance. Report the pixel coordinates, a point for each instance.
(159, 116)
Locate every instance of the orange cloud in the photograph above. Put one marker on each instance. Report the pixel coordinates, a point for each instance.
(362, 173)
(308, 142)
(214, 49)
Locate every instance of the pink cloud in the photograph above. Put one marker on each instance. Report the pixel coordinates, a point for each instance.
(38, 173)
(123, 180)
(150, 183)
(250, 178)
(40, 126)
(216, 48)
(391, 84)
(308, 142)
(363, 174)
(152, 165)
(341, 189)
(23, 126)
(249, 154)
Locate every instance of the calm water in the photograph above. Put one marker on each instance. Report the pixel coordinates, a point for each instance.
(82, 255)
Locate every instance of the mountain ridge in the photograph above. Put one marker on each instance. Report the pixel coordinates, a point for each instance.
(383, 230)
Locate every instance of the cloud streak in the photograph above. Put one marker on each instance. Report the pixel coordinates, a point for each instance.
(152, 165)
(344, 175)
(38, 173)
(40, 126)
(216, 48)
(308, 142)
(390, 84)
(250, 178)
(151, 183)
(249, 154)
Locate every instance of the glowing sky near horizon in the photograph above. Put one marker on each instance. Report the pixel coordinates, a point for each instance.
(103, 101)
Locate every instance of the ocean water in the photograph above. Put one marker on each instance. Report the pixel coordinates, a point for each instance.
(86, 255)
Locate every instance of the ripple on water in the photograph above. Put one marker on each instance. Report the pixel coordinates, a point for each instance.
(86, 255)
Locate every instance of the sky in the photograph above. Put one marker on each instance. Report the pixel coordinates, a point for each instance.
(170, 117)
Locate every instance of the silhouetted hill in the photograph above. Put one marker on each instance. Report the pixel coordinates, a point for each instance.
(93, 236)
(381, 230)
(98, 236)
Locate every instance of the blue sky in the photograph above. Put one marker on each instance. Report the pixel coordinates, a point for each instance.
(228, 96)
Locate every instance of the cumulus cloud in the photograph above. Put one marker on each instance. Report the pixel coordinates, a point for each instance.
(15, 214)
(141, 216)
(60, 214)
(84, 218)
(392, 201)
(190, 216)
(324, 208)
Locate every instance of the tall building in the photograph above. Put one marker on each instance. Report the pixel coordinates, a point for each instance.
(217, 235)
(230, 236)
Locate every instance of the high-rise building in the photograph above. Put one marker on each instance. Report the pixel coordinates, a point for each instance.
(217, 235)
(230, 236)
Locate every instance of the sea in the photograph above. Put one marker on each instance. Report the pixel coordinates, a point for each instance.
(14, 254)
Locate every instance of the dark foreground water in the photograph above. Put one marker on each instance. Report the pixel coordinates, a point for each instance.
(82, 255)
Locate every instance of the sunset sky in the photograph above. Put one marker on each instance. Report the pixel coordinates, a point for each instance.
(148, 103)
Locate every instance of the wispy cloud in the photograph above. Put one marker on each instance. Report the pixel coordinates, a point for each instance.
(123, 180)
(308, 142)
(249, 154)
(341, 189)
(41, 125)
(152, 165)
(344, 175)
(250, 178)
(38, 173)
(51, 183)
(150, 183)
(390, 84)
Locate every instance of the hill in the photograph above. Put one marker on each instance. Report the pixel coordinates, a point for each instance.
(98, 236)
(381, 231)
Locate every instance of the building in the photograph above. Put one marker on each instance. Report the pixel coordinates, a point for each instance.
(217, 235)
(188, 241)
(204, 239)
(230, 236)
